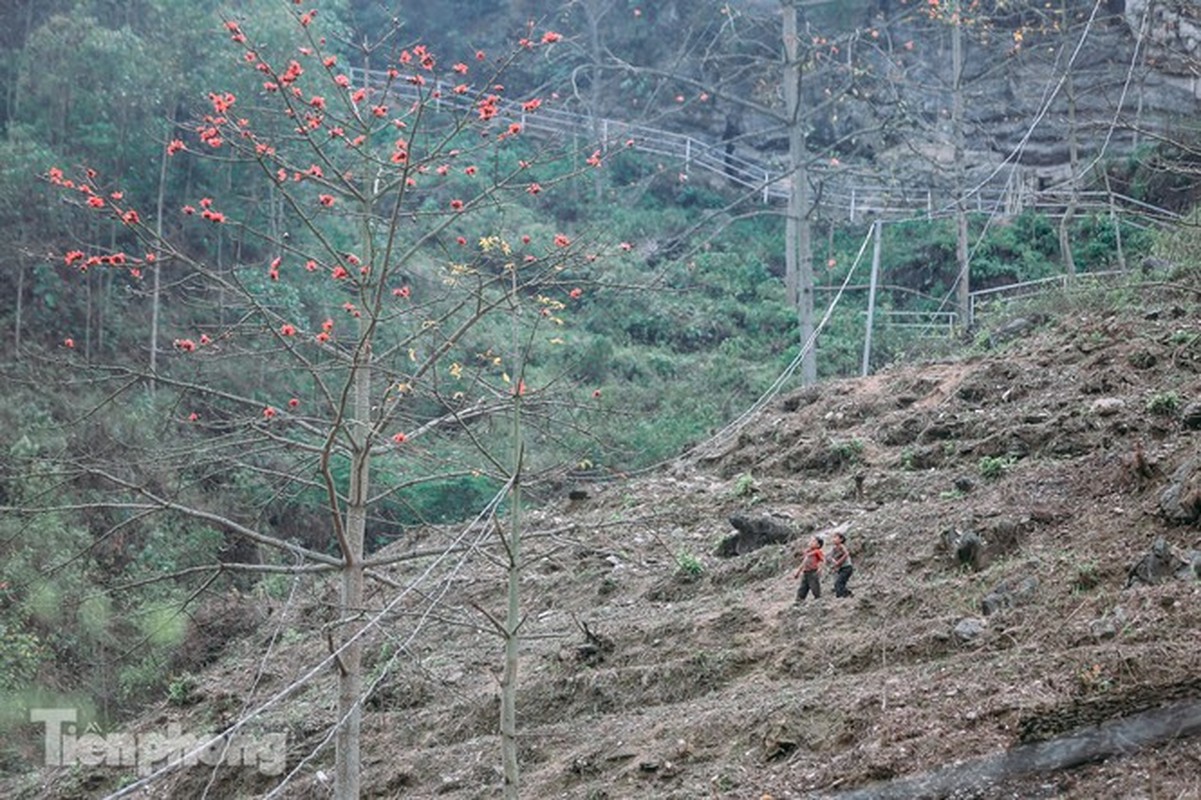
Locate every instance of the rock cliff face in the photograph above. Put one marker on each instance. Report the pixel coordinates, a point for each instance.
(1170, 31)
(1103, 77)
(1105, 82)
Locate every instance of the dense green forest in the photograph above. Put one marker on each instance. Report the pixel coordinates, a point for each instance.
(169, 395)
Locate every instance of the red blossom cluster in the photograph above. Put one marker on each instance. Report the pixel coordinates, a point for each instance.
(85, 262)
(235, 31)
(207, 212)
(488, 107)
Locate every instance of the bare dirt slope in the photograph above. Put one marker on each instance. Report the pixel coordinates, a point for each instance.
(1068, 452)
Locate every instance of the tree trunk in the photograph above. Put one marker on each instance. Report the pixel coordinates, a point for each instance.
(1065, 242)
(347, 741)
(508, 685)
(20, 310)
(593, 15)
(156, 278)
(963, 281)
(798, 247)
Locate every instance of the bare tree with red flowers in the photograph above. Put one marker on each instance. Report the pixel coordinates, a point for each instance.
(366, 325)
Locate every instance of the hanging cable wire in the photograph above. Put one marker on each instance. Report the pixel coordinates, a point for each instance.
(739, 422)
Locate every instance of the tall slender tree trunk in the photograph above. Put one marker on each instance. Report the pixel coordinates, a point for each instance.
(20, 310)
(798, 244)
(508, 687)
(156, 276)
(508, 684)
(964, 282)
(347, 741)
(1065, 241)
(593, 14)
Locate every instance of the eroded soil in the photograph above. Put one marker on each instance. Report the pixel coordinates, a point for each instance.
(643, 679)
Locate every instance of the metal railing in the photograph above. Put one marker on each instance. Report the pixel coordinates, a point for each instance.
(1017, 291)
(841, 192)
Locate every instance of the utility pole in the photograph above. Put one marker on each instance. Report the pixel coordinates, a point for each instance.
(871, 297)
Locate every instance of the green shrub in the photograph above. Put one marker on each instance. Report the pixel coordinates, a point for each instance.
(744, 485)
(994, 467)
(848, 451)
(688, 565)
(1163, 403)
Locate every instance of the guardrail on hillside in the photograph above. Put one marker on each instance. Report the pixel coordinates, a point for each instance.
(1017, 291)
(842, 193)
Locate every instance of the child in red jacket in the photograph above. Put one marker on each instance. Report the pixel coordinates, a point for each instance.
(810, 570)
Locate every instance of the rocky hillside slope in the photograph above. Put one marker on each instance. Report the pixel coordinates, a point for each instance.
(1003, 511)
